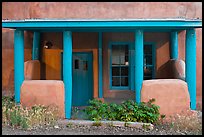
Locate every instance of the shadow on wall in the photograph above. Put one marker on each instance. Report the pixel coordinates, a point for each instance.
(173, 69)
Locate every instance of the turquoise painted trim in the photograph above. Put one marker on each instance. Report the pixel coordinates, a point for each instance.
(97, 29)
(139, 56)
(67, 71)
(191, 65)
(174, 45)
(110, 63)
(61, 65)
(100, 64)
(132, 67)
(36, 46)
(18, 63)
(91, 24)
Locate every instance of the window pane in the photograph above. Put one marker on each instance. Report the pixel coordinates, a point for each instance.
(124, 71)
(116, 71)
(148, 60)
(115, 60)
(115, 81)
(76, 64)
(122, 60)
(147, 49)
(124, 81)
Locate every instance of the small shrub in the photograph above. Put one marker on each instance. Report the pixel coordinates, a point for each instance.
(128, 111)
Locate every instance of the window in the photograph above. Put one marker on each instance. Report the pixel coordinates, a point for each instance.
(148, 61)
(119, 66)
(122, 64)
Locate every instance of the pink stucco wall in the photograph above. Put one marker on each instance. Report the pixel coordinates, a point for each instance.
(22, 10)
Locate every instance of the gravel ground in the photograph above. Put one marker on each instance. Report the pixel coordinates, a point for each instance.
(94, 130)
(63, 129)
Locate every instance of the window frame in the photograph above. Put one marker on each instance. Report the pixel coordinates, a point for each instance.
(131, 52)
(110, 67)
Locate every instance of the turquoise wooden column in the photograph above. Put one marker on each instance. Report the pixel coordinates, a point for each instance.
(18, 63)
(138, 63)
(36, 46)
(100, 64)
(174, 45)
(67, 71)
(191, 65)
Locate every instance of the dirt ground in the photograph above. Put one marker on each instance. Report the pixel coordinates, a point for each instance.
(98, 130)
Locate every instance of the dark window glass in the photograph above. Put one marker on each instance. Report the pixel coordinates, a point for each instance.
(124, 81)
(147, 49)
(115, 81)
(76, 64)
(124, 71)
(115, 71)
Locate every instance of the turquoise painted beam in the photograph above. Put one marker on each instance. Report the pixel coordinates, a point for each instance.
(100, 64)
(138, 63)
(36, 46)
(18, 63)
(191, 65)
(174, 45)
(67, 71)
(100, 23)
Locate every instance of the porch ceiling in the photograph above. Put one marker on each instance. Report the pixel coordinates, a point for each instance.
(102, 25)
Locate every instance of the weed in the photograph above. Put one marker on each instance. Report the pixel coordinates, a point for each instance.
(97, 123)
(69, 125)
(19, 116)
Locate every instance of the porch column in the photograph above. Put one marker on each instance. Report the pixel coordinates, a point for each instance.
(36, 46)
(191, 65)
(174, 45)
(100, 64)
(18, 63)
(138, 63)
(67, 71)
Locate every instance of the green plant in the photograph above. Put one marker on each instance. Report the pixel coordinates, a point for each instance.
(75, 112)
(128, 111)
(97, 110)
(69, 125)
(97, 123)
(146, 126)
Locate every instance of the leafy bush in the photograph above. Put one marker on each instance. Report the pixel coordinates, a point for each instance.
(18, 116)
(128, 111)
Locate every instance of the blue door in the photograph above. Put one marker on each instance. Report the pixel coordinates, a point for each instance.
(82, 67)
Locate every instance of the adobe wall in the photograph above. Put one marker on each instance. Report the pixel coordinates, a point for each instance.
(22, 10)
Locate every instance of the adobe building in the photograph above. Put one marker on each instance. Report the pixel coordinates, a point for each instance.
(66, 53)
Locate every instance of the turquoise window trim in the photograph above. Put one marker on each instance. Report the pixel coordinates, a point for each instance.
(110, 76)
(131, 63)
